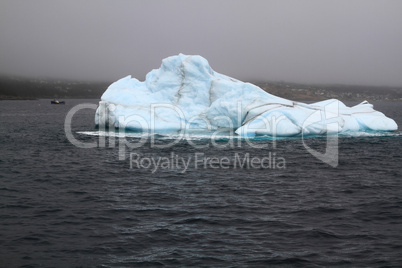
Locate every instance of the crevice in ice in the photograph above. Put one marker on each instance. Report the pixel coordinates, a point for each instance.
(210, 93)
(183, 75)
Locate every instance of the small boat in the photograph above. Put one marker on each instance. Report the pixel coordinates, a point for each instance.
(57, 102)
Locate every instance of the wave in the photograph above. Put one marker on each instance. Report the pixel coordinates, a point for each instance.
(228, 136)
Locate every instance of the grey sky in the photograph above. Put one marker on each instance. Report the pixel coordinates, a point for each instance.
(342, 41)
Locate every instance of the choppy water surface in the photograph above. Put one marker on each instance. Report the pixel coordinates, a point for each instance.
(66, 206)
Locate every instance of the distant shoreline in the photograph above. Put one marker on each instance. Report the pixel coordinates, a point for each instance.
(12, 88)
(341, 92)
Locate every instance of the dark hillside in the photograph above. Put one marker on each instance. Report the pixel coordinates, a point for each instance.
(24, 88)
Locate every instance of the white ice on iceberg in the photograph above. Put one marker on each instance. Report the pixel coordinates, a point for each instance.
(186, 94)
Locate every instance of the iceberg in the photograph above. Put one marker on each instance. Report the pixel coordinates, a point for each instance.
(186, 94)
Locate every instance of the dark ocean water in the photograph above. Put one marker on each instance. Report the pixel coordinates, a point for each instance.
(63, 206)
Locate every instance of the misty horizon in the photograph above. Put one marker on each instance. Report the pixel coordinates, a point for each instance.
(309, 42)
(259, 82)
